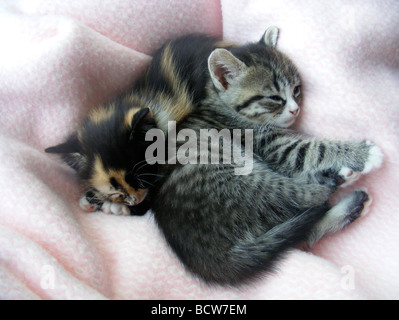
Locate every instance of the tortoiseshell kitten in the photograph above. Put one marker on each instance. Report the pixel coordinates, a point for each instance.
(107, 153)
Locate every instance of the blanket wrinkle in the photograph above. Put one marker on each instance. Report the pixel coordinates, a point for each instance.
(59, 59)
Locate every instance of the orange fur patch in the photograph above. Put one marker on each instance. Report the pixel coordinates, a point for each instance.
(179, 105)
(101, 180)
(129, 116)
(102, 113)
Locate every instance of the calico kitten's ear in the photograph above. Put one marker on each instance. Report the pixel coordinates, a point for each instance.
(270, 36)
(70, 152)
(224, 68)
(137, 120)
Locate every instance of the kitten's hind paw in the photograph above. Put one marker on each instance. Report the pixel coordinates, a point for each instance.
(117, 209)
(361, 202)
(349, 209)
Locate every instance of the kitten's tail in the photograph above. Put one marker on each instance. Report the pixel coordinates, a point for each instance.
(250, 258)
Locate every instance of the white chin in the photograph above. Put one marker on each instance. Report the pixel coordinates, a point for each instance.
(285, 123)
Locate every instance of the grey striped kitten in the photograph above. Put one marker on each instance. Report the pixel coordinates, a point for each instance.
(229, 229)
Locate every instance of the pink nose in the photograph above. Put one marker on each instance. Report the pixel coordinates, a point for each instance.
(294, 112)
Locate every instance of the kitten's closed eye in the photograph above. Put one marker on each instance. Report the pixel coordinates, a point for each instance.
(277, 99)
(297, 91)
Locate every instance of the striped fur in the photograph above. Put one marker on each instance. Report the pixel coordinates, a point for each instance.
(293, 155)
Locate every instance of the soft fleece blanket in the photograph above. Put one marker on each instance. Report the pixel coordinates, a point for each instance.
(59, 58)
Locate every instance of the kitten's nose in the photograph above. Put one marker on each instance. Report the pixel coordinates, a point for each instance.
(294, 112)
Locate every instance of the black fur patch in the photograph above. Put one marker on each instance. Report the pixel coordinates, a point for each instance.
(248, 102)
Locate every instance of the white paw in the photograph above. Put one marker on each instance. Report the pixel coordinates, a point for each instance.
(117, 209)
(349, 176)
(375, 158)
(85, 205)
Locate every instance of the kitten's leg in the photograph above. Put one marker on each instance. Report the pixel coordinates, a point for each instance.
(291, 193)
(339, 216)
(292, 154)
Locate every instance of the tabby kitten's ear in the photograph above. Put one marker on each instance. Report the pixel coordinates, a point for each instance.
(70, 152)
(270, 36)
(224, 68)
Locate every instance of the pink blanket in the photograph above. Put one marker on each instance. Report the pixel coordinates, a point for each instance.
(59, 58)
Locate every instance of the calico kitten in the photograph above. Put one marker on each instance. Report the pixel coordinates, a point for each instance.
(107, 152)
(108, 149)
(251, 79)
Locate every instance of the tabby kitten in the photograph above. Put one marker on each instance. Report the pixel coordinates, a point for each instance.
(229, 229)
(251, 79)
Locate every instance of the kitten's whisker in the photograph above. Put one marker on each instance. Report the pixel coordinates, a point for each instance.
(142, 165)
(138, 163)
(150, 174)
(141, 181)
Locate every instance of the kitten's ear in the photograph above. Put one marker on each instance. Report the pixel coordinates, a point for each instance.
(138, 119)
(224, 68)
(70, 152)
(270, 36)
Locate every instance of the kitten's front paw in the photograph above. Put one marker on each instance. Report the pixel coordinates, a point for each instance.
(117, 209)
(375, 157)
(87, 206)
